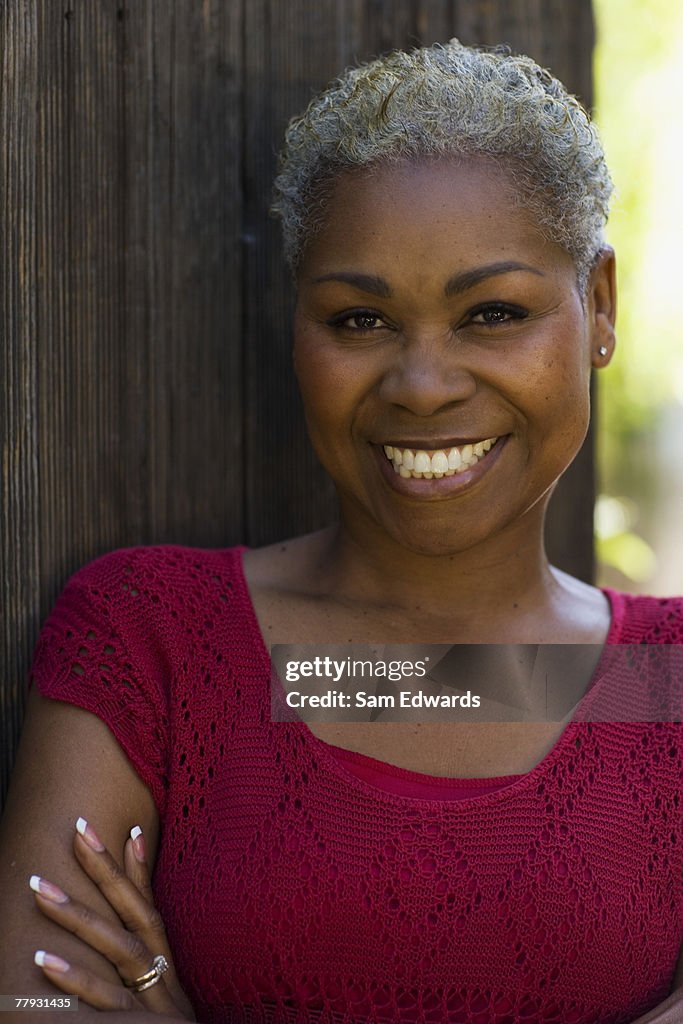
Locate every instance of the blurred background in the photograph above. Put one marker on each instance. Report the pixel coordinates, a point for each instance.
(638, 88)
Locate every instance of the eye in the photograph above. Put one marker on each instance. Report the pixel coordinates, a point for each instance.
(494, 313)
(358, 321)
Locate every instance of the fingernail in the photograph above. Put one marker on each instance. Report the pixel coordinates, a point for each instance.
(49, 960)
(47, 889)
(84, 829)
(138, 843)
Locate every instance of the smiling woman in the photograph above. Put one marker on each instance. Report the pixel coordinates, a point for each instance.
(435, 342)
(443, 213)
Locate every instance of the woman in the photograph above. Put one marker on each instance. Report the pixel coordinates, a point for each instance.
(443, 214)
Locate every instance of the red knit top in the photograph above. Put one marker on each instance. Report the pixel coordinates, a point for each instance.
(302, 883)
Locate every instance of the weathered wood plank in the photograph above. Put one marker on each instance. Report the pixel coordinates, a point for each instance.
(20, 535)
(82, 488)
(286, 491)
(198, 345)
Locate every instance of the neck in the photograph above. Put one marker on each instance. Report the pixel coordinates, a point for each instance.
(502, 580)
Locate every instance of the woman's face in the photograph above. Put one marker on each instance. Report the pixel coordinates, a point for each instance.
(433, 317)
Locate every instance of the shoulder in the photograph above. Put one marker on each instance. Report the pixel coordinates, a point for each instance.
(144, 605)
(165, 578)
(135, 632)
(158, 565)
(642, 618)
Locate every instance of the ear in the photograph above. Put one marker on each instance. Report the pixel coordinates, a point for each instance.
(601, 302)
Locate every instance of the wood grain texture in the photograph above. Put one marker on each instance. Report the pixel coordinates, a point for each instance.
(19, 534)
(148, 394)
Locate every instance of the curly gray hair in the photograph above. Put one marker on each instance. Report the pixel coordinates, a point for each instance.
(451, 100)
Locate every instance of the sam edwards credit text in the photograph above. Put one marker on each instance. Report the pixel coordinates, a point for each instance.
(362, 699)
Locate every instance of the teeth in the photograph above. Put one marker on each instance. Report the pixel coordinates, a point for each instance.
(439, 462)
(454, 458)
(417, 464)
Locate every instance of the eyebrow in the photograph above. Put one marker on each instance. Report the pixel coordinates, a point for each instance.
(455, 285)
(462, 282)
(366, 282)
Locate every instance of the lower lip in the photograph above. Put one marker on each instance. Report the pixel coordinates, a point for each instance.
(433, 489)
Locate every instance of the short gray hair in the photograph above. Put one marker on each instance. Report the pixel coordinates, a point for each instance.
(451, 100)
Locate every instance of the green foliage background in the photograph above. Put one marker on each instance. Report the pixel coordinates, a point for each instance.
(639, 111)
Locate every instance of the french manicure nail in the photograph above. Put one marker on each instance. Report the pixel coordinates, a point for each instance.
(90, 836)
(49, 960)
(48, 890)
(138, 843)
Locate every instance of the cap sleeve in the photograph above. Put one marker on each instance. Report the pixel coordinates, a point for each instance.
(95, 651)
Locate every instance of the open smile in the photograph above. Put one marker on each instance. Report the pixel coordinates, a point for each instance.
(422, 463)
(435, 473)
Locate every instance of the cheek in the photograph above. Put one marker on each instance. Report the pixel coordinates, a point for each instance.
(559, 369)
(319, 375)
(331, 393)
(549, 384)
(334, 384)
(564, 394)
(317, 380)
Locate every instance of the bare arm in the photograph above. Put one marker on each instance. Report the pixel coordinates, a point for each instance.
(69, 766)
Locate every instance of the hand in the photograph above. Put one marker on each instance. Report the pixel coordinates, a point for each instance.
(130, 946)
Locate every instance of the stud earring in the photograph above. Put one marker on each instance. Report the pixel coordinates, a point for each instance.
(602, 350)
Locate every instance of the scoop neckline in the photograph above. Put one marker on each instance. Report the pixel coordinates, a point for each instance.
(568, 741)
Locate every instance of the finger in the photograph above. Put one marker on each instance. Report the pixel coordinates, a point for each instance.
(123, 949)
(135, 908)
(137, 872)
(137, 914)
(137, 869)
(76, 981)
(136, 865)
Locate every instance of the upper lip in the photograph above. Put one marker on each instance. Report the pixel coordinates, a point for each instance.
(436, 443)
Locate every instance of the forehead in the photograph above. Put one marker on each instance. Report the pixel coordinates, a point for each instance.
(427, 214)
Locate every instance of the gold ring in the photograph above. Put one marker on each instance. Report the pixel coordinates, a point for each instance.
(151, 977)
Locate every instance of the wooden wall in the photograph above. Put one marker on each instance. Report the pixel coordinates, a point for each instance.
(147, 394)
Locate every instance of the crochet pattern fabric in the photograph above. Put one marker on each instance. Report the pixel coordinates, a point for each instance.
(299, 884)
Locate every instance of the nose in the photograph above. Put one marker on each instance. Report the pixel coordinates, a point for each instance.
(429, 374)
